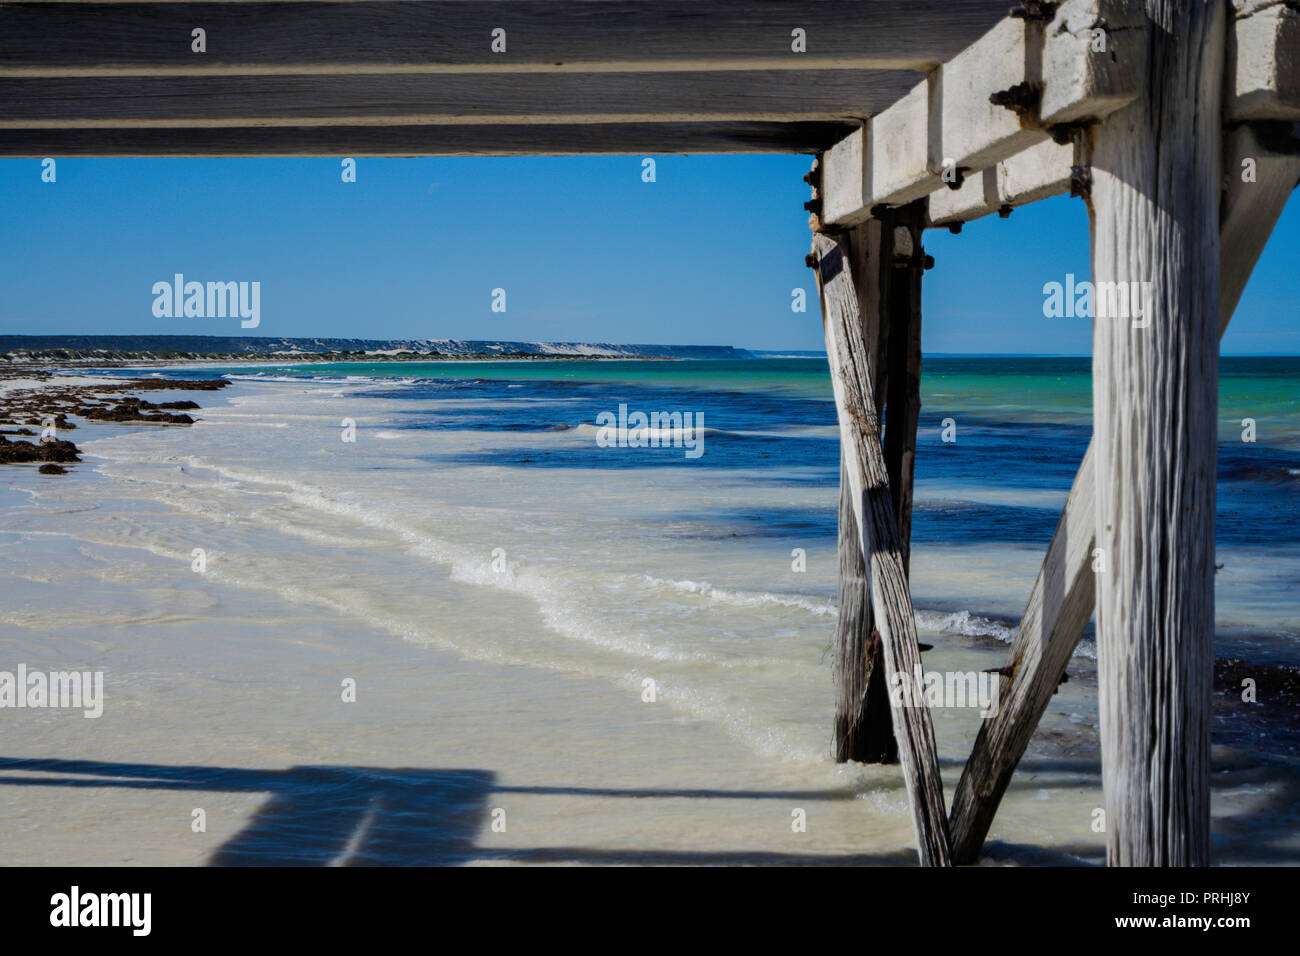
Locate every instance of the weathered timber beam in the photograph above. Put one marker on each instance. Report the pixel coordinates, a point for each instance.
(887, 263)
(438, 140)
(864, 729)
(1082, 65)
(405, 99)
(1263, 70)
(1262, 167)
(1264, 62)
(890, 599)
(1155, 410)
(1040, 171)
(1053, 623)
(110, 38)
(903, 398)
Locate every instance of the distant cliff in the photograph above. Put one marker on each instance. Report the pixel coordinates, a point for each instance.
(17, 348)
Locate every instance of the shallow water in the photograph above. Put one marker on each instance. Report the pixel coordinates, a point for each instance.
(501, 589)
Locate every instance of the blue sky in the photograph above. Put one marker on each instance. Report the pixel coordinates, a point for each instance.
(707, 254)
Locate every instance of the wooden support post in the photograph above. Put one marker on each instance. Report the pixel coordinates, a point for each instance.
(1064, 594)
(886, 261)
(864, 729)
(903, 400)
(878, 535)
(1155, 223)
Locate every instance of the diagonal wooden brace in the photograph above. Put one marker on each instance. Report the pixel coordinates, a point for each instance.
(891, 600)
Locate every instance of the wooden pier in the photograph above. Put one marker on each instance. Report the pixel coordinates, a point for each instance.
(1175, 121)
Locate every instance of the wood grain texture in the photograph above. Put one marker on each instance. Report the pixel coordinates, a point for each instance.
(1063, 596)
(52, 39)
(770, 95)
(436, 140)
(864, 727)
(890, 599)
(1033, 174)
(888, 273)
(1155, 218)
(1264, 62)
(1252, 203)
(903, 400)
(948, 121)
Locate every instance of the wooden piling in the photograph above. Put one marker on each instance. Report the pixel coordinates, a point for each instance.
(878, 534)
(864, 729)
(903, 399)
(1155, 218)
(887, 263)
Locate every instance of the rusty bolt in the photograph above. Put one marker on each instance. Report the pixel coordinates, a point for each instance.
(1020, 99)
(1081, 181)
(1033, 10)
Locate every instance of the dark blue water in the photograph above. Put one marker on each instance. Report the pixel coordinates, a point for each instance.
(1022, 423)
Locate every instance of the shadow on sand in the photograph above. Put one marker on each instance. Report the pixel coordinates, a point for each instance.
(368, 816)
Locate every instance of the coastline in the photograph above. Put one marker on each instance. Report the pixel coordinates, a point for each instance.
(297, 359)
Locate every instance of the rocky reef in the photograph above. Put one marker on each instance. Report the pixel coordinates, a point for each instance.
(50, 407)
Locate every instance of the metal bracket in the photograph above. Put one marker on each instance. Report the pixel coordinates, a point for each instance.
(1076, 134)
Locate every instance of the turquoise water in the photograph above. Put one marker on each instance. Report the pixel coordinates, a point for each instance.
(1026, 388)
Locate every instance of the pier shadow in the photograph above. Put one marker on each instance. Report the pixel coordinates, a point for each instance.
(316, 816)
(367, 816)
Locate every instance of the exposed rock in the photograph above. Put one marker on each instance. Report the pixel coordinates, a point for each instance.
(51, 403)
(178, 384)
(25, 451)
(52, 470)
(132, 410)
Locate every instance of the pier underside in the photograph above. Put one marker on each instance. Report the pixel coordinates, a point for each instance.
(1175, 122)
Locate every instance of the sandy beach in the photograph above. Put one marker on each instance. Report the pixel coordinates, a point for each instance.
(349, 680)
